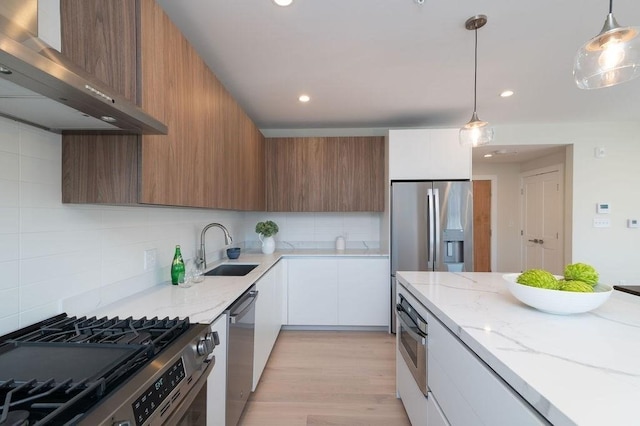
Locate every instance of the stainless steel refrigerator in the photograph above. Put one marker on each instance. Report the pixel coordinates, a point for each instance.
(431, 228)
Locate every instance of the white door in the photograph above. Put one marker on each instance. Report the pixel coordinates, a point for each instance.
(542, 226)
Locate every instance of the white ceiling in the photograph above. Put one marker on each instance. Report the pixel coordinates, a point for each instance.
(398, 63)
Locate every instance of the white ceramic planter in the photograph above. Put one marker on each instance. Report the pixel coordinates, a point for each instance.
(268, 244)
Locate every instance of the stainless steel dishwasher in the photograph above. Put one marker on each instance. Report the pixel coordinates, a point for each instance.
(240, 354)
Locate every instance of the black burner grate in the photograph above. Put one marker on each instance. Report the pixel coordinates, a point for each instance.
(56, 370)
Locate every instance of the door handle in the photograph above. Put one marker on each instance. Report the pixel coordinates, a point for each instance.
(537, 241)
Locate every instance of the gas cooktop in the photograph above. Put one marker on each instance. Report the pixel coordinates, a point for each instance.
(56, 371)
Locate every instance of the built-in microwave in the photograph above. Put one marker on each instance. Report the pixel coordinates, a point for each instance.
(412, 336)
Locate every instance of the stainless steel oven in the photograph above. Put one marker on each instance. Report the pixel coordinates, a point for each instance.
(106, 371)
(412, 334)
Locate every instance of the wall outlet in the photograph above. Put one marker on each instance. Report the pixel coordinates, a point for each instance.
(601, 222)
(150, 259)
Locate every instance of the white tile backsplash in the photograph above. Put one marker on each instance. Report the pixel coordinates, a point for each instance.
(9, 302)
(40, 195)
(38, 170)
(10, 273)
(39, 143)
(318, 230)
(9, 166)
(9, 220)
(9, 136)
(9, 247)
(58, 257)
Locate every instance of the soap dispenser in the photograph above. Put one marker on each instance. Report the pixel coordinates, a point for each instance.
(340, 243)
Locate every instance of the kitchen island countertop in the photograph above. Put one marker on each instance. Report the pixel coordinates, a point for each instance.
(203, 302)
(579, 369)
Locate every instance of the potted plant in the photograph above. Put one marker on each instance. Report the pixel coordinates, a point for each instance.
(266, 230)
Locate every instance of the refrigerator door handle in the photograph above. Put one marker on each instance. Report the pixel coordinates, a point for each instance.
(431, 224)
(437, 233)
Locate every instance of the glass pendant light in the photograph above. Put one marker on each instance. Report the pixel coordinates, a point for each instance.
(612, 57)
(476, 132)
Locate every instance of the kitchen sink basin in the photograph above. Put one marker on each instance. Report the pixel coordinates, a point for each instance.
(232, 270)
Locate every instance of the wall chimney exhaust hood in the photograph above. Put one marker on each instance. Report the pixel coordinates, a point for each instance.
(39, 87)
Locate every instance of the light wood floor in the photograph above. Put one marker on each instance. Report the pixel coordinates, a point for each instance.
(328, 378)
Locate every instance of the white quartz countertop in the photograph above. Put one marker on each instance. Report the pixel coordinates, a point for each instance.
(579, 369)
(203, 302)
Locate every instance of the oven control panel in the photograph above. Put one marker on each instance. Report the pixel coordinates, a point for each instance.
(152, 398)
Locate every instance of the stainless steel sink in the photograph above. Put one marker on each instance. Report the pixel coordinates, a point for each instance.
(232, 269)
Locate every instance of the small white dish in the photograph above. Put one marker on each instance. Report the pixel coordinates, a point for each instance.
(557, 301)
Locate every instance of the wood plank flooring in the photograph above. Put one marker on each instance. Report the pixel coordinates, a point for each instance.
(328, 378)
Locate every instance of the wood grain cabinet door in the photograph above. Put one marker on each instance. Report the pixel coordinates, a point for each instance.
(213, 154)
(318, 174)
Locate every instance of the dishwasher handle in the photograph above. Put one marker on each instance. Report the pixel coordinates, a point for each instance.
(243, 307)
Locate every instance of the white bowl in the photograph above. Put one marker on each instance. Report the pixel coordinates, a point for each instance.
(557, 301)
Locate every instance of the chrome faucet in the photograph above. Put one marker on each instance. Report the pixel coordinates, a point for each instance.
(227, 240)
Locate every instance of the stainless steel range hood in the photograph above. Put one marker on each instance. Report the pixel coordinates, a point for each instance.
(39, 87)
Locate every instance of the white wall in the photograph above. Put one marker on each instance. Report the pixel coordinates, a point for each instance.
(614, 251)
(509, 205)
(58, 257)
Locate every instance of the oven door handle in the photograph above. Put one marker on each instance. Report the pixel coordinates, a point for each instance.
(418, 336)
(177, 414)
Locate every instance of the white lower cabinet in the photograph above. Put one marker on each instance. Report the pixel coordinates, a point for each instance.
(217, 381)
(313, 291)
(363, 292)
(415, 404)
(435, 416)
(268, 321)
(467, 390)
(343, 291)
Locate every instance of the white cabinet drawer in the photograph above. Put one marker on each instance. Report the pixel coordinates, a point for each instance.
(468, 391)
(435, 416)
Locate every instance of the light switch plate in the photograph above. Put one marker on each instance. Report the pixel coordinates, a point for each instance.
(633, 223)
(150, 259)
(601, 222)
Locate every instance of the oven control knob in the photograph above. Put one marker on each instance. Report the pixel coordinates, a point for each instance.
(206, 345)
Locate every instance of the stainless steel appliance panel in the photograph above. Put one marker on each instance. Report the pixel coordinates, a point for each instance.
(240, 354)
(412, 336)
(453, 226)
(431, 228)
(409, 226)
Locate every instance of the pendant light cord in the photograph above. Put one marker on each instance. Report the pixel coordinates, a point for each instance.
(475, 72)
(610, 6)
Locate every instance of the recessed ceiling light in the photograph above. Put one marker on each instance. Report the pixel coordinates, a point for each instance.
(489, 155)
(506, 93)
(304, 98)
(5, 70)
(283, 2)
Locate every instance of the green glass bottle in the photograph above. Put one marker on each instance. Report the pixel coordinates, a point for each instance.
(177, 267)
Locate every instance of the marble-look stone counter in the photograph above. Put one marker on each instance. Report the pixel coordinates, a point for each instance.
(579, 369)
(203, 302)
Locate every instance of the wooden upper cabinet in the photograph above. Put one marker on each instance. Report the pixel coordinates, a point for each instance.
(110, 51)
(213, 153)
(318, 174)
